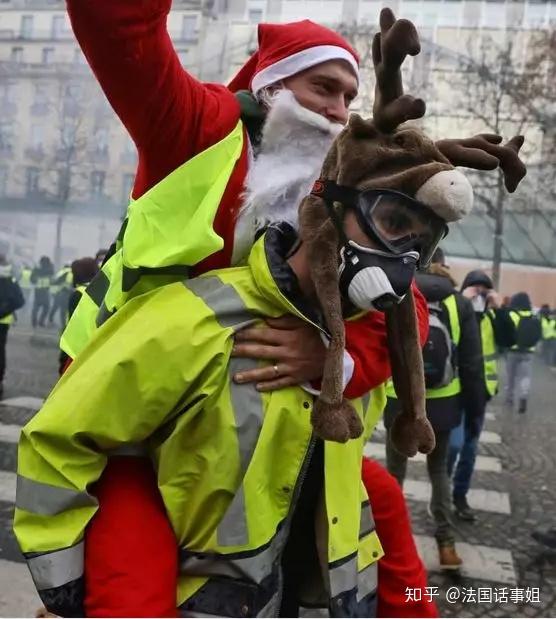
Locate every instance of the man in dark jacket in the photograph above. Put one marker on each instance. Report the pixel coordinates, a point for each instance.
(496, 330)
(528, 333)
(465, 392)
(40, 278)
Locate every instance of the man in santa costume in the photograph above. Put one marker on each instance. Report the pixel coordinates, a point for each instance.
(173, 118)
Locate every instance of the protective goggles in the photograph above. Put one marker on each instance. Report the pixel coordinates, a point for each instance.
(394, 220)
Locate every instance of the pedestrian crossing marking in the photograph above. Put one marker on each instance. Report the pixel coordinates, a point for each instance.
(479, 562)
(7, 486)
(484, 500)
(482, 463)
(19, 597)
(9, 433)
(28, 402)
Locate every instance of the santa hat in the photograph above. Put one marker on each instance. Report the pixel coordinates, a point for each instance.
(287, 49)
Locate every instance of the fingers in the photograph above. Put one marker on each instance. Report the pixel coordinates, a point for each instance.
(256, 351)
(265, 373)
(286, 322)
(279, 383)
(261, 335)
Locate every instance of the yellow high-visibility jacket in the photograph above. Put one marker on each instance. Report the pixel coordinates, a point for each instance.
(230, 461)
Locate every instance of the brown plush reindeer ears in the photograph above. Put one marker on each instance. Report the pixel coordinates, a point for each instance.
(396, 40)
(484, 152)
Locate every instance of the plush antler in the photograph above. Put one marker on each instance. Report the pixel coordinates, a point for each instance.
(396, 39)
(485, 152)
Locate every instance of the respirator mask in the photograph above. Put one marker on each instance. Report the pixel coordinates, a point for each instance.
(479, 303)
(404, 230)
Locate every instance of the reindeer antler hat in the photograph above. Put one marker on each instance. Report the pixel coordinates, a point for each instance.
(384, 154)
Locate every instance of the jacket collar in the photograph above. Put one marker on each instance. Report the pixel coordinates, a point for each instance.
(275, 278)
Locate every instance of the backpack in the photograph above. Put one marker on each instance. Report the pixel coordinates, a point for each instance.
(11, 297)
(439, 351)
(528, 332)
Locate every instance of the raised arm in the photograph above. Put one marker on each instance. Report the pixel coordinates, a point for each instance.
(169, 114)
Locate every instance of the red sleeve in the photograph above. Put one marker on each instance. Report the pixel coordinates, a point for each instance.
(131, 558)
(366, 343)
(169, 114)
(401, 566)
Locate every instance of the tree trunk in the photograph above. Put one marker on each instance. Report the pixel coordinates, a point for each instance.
(58, 246)
(498, 233)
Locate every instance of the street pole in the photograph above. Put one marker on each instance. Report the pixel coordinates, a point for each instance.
(498, 233)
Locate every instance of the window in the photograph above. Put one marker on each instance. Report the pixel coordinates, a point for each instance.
(101, 140)
(63, 185)
(188, 27)
(32, 180)
(26, 29)
(255, 16)
(17, 54)
(37, 136)
(3, 180)
(47, 55)
(78, 57)
(97, 183)
(7, 92)
(182, 55)
(72, 92)
(40, 95)
(6, 137)
(58, 26)
(127, 186)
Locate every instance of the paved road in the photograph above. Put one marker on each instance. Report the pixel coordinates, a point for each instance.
(514, 492)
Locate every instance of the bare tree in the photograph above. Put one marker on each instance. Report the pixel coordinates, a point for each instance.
(494, 88)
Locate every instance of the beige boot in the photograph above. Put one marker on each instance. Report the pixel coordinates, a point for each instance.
(448, 557)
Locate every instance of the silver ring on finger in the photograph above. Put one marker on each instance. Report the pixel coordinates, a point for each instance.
(276, 370)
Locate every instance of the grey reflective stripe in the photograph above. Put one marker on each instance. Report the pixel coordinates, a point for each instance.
(492, 357)
(254, 568)
(223, 300)
(343, 577)
(367, 523)
(47, 500)
(98, 288)
(247, 405)
(365, 402)
(103, 315)
(54, 569)
(130, 449)
(491, 377)
(367, 581)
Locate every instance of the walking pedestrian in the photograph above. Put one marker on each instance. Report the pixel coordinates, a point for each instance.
(11, 299)
(60, 289)
(519, 361)
(548, 344)
(455, 380)
(494, 325)
(40, 278)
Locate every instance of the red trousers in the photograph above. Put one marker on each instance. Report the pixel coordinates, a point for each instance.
(131, 553)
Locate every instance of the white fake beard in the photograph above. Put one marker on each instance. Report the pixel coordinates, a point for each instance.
(295, 142)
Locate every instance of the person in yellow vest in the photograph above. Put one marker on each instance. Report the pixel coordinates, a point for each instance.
(519, 361)
(548, 323)
(243, 466)
(454, 377)
(11, 299)
(40, 278)
(61, 289)
(82, 271)
(464, 439)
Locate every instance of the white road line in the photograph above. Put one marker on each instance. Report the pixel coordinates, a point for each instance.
(492, 438)
(479, 562)
(482, 463)
(9, 433)
(7, 486)
(18, 596)
(490, 416)
(484, 500)
(28, 402)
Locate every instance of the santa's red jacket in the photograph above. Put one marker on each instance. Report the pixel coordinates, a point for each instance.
(171, 117)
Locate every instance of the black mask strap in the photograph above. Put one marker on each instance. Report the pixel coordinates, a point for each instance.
(330, 192)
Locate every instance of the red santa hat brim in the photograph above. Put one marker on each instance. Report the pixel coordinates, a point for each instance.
(305, 59)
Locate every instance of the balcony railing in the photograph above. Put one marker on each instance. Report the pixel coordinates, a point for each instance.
(35, 35)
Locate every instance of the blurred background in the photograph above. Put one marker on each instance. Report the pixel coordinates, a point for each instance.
(67, 166)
